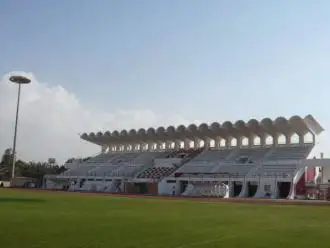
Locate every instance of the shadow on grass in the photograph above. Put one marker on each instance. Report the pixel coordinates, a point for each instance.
(25, 200)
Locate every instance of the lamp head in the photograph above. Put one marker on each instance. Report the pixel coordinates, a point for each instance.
(20, 80)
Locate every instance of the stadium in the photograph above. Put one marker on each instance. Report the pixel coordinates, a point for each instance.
(232, 184)
(164, 124)
(252, 159)
(196, 186)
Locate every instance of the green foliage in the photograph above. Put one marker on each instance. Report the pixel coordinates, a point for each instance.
(38, 169)
(52, 220)
(7, 157)
(35, 170)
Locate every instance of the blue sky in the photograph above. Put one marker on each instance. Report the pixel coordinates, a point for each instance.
(204, 60)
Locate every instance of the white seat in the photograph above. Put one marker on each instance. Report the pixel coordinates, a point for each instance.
(80, 170)
(102, 171)
(293, 152)
(234, 169)
(253, 154)
(195, 168)
(213, 155)
(125, 171)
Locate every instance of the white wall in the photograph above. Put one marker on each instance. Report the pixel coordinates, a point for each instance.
(6, 184)
(325, 174)
(165, 188)
(167, 162)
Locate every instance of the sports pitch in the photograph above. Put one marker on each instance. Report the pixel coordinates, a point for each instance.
(63, 220)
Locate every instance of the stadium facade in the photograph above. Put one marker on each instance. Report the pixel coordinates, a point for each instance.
(258, 159)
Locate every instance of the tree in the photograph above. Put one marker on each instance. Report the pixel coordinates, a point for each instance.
(7, 157)
(36, 170)
(52, 161)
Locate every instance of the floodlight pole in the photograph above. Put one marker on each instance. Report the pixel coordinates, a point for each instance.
(17, 80)
(15, 132)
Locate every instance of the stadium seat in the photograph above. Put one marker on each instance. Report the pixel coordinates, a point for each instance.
(157, 172)
(81, 170)
(287, 152)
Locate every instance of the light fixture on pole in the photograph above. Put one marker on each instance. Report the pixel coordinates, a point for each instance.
(17, 80)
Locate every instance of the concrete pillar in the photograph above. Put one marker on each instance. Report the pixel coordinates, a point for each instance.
(217, 141)
(177, 144)
(186, 143)
(262, 140)
(301, 139)
(228, 142)
(287, 139)
(275, 140)
(251, 140)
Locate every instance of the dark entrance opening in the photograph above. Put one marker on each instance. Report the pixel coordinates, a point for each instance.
(82, 183)
(252, 189)
(238, 186)
(284, 189)
(142, 188)
(183, 186)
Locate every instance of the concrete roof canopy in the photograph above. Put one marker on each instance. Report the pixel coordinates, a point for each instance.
(132, 132)
(227, 129)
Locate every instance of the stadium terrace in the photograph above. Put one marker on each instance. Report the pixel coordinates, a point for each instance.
(258, 159)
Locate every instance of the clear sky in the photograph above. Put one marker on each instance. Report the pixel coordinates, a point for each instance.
(154, 62)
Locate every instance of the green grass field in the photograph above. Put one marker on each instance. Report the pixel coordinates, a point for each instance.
(50, 220)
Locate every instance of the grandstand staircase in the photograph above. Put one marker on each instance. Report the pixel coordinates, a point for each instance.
(108, 188)
(269, 153)
(297, 177)
(189, 190)
(231, 156)
(144, 168)
(192, 156)
(168, 172)
(114, 187)
(244, 191)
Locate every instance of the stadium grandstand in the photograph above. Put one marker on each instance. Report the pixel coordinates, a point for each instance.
(267, 158)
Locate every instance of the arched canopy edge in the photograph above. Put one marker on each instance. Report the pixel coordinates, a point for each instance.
(228, 129)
